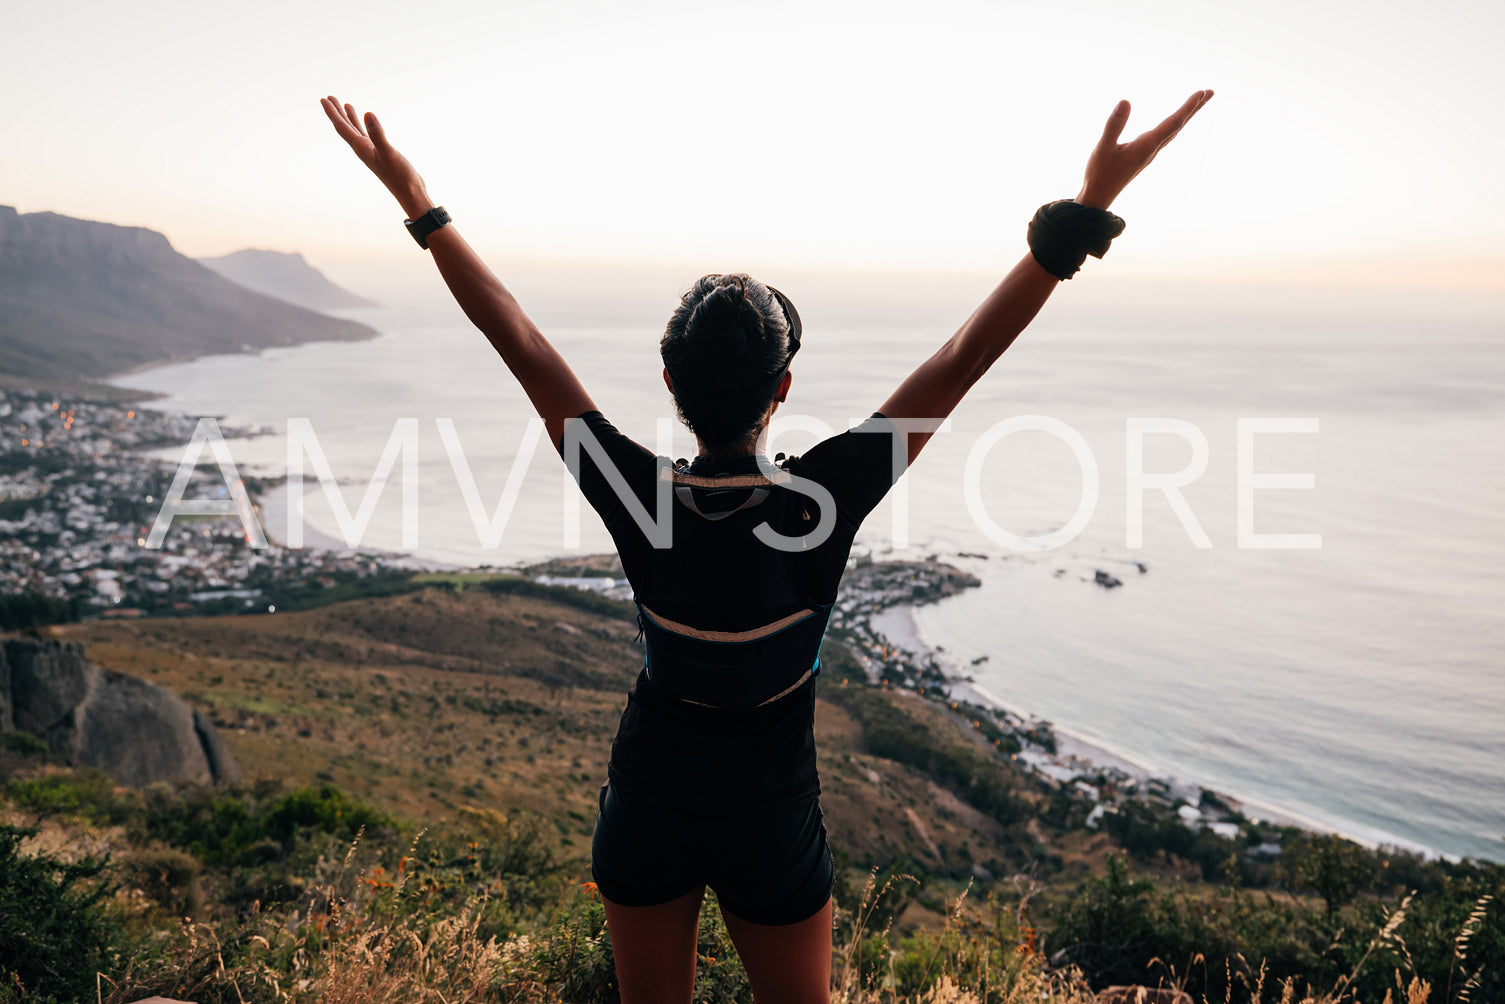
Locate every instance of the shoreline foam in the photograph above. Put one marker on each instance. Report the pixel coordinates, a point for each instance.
(900, 627)
(275, 520)
(274, 517)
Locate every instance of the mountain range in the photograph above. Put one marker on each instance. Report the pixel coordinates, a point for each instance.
(82, 300)
(286, 276)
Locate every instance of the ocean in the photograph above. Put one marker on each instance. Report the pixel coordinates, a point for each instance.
(1358, 684)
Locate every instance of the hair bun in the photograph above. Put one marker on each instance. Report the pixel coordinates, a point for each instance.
(724, 314)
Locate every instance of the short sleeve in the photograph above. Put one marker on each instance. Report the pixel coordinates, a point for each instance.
(579, 449)
(857, 467)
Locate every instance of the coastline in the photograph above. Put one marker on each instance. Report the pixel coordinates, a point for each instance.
(273, 511)
(1076, 750)
(1080, 753)
(272, 508)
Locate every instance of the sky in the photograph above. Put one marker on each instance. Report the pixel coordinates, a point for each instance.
(1347, 141)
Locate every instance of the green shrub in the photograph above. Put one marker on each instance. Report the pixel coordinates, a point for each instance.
(246, 826)
(573, 954)
(1335, 868)
(55, 931)
(169, 877)
(321, 807)
(25, 744)
(1117, 926)
(82, 791)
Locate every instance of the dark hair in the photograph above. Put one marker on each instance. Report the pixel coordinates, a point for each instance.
(724, 348)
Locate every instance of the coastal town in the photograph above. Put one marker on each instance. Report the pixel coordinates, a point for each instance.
(79, 493)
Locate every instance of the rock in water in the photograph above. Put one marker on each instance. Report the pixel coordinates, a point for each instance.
(138, 731)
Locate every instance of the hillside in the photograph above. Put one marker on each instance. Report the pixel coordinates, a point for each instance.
(285, 275)
(84, 300)
(424, 703)
(422, 770)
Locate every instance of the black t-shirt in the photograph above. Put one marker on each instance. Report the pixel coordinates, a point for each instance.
(721, 717)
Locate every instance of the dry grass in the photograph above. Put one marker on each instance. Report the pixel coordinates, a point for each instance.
(426, 703)
(345, 943)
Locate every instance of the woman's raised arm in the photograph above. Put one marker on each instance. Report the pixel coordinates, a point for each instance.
(547, 379)
(935, 388)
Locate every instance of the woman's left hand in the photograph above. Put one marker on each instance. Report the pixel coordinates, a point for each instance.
(1113, 164)
(370, 144)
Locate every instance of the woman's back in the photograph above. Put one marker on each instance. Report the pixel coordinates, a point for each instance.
(721, 716)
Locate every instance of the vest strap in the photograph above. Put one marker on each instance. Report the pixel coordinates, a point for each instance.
(687, 497)
(752, 634)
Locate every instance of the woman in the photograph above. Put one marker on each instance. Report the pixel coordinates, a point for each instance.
(734, 564)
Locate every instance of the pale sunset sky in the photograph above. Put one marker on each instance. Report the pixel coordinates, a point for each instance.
(1347, 142)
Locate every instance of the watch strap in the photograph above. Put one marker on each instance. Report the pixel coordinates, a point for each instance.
(427, 224)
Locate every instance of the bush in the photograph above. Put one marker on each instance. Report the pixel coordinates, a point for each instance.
(242, 826)
(1117, 926)
(1334, 868)
(25, 744)
(170, 878)
(55, 932)
(24, 611)
(83, 791)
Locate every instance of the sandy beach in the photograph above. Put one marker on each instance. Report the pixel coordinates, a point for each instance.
(273, 509)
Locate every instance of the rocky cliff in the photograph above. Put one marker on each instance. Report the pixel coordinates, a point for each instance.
(139, 732)
(81, 299)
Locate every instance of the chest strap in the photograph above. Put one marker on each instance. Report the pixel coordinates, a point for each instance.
(732, 637)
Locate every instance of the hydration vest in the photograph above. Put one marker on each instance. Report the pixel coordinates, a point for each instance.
(754, 636)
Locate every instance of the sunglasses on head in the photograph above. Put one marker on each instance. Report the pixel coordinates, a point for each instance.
(792, 318)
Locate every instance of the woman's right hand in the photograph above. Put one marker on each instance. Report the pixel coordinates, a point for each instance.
(1113, 164)
(370, 144)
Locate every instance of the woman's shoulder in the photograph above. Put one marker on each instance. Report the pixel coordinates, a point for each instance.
(858, 466)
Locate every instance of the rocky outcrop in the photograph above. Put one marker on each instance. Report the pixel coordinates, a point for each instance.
(139, 732)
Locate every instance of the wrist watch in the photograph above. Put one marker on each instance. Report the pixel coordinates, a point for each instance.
(427, 224)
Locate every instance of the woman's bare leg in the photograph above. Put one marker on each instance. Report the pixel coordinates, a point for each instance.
(654, 949)
(787, 963)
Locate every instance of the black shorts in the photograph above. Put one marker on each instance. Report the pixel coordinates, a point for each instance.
(770, 869)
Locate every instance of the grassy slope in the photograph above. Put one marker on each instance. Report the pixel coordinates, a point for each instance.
(402, 699)
(426, 702)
